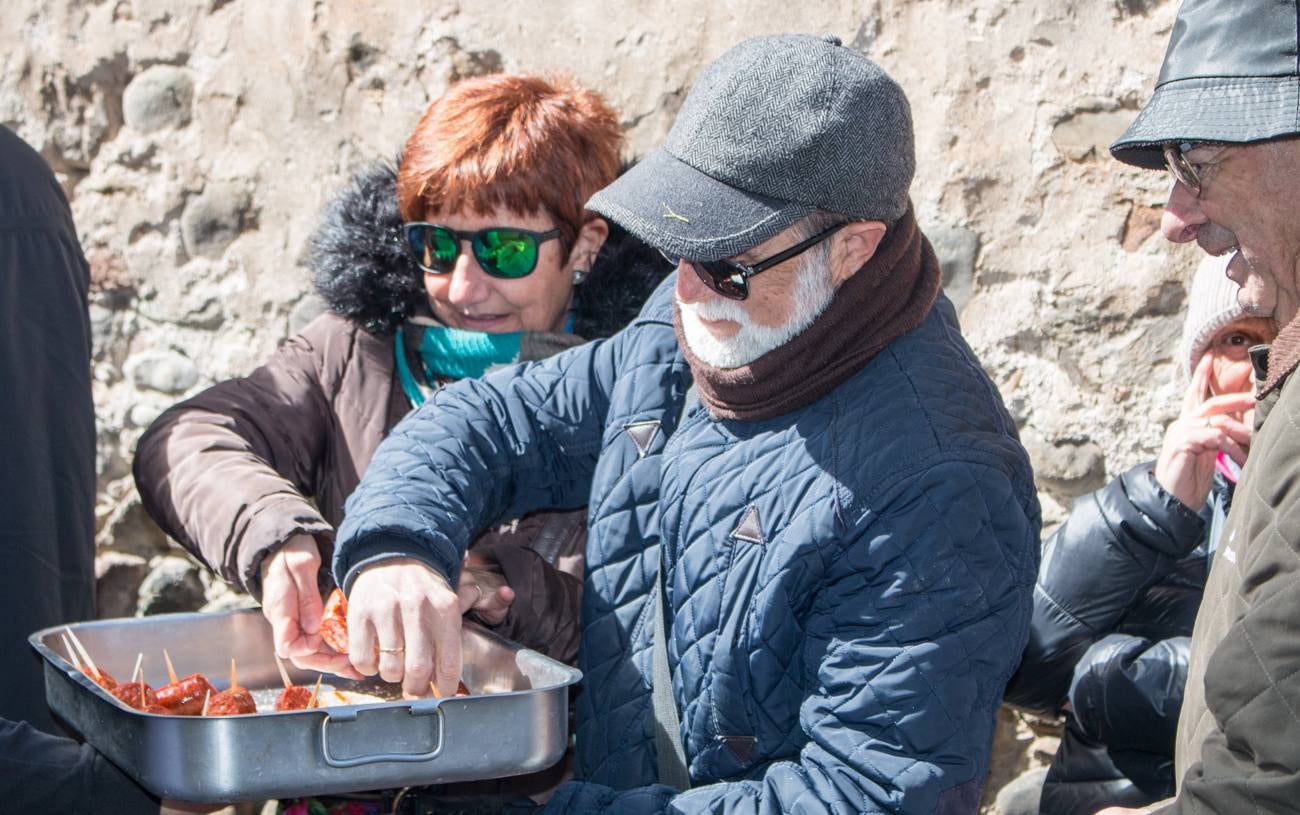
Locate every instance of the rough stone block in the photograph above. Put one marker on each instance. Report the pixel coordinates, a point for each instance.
(163, 371)
(1089, 133)
(117, 583)
(222, 597)
(173, 584)
(957, 249)
(159, 97)
(129, 529)
(1069, 466)
(213, 220)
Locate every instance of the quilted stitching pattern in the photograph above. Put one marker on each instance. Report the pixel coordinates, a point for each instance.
(1240, 727)
(862, 644)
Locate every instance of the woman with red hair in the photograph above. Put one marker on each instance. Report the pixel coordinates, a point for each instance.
(476, 253)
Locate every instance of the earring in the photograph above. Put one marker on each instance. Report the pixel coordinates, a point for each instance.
(579, 275)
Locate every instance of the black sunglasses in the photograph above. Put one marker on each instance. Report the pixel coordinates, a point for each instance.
(730, 278)
(501, 251)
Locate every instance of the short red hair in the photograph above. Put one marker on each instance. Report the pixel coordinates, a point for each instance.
(526, 143)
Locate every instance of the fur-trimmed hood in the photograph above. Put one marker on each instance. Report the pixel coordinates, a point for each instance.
(363, 273)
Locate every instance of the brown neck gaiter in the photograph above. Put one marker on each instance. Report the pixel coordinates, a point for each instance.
(1283, 356)
(889, 296)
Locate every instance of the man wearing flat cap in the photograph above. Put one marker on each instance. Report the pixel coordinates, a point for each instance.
(1225, 120)
(813, 531)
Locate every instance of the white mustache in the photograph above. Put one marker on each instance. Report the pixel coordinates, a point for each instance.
(716, 309)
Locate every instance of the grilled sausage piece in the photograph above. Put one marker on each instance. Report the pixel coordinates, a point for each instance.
(184, 697)
(102, 678)
(232, 702)
(137, 695)
(334, 622)
(294, 697)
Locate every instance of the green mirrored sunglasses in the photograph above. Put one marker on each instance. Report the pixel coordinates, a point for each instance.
(501, 251)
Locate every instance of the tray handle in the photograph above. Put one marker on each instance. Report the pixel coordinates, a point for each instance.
(375, 758)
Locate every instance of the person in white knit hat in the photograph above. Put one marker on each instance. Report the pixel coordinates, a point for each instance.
(1122, 578)
(1213, 431)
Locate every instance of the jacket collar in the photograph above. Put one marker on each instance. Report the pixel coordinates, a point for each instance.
(1283, 356)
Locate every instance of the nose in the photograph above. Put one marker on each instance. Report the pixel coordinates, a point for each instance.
(1182, 217)
(690, 289)
(469, 284)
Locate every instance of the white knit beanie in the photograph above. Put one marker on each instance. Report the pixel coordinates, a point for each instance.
(1211, 304)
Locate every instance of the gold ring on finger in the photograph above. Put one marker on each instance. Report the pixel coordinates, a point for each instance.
(399, 649)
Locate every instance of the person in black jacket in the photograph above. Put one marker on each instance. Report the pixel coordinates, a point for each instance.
(47, 424)
(47, 484)
(1121, 579)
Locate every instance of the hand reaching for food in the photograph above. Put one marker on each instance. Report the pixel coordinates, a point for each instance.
(291, 603)
(403, 622)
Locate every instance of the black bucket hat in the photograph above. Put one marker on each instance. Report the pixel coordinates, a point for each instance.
(772, 131)
(1231, 74)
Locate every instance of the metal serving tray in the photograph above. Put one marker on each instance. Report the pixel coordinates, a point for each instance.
(517, 721)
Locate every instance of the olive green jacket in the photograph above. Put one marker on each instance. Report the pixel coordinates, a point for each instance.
(1239, 735)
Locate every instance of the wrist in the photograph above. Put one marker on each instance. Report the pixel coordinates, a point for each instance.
(376, 548)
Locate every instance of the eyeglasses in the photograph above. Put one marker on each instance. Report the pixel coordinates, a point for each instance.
(501, 251)
(1183, 170)
(730, 278)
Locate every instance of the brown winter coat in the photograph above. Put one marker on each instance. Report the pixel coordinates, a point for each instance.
(235, 471)
(1239, 733)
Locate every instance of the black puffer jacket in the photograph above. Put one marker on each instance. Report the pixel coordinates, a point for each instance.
(1116, 597)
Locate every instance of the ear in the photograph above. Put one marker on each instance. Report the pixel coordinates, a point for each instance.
(855, 244)
(590, 238)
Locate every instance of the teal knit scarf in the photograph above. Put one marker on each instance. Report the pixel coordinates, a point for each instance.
(453, 353)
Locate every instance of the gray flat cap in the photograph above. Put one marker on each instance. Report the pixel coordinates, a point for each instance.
(773, 130)
(1229, 75)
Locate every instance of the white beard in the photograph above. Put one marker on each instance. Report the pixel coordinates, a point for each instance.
(813, 292)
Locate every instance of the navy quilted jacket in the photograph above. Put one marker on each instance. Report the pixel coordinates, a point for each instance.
(849, 585)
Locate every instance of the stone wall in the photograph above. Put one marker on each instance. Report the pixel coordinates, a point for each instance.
(199, 139)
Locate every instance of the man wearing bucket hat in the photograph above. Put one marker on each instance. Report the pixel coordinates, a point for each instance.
(1224, 119)
(813, 532)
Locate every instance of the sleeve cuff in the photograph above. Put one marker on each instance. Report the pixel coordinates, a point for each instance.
(359, 554)
(1183, 527)
(269, 529)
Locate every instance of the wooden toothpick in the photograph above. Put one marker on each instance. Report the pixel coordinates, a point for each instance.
(207, 696)
(85, 655)
(72, 652)
(283, 673)
(138, 676)
(436, 693)
(312, 701)
(171, 672)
